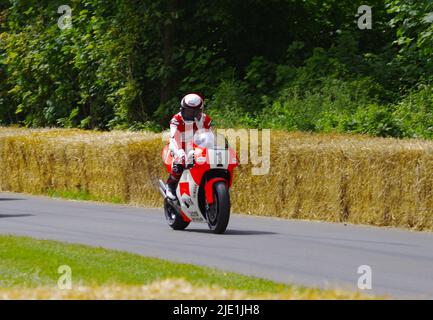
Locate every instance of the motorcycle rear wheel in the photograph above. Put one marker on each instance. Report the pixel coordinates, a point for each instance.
(218, 215)
(174, 220)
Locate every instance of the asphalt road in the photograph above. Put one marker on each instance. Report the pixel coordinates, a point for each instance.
(310, 253)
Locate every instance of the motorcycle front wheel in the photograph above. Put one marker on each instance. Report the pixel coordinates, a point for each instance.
(218, 214)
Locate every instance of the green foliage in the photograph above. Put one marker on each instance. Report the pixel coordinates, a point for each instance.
(295, 65)
(413, 22)
(313, 109)
(231, 105)
(372, 119)
(415, 114)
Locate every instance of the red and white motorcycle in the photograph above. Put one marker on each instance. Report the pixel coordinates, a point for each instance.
(203, 189)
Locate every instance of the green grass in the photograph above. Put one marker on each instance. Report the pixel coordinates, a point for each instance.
(27, 263)
(81, 195)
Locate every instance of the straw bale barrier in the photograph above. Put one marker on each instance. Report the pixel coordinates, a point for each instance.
(341, 178)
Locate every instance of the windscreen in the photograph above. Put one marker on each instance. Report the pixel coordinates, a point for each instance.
(208, 139)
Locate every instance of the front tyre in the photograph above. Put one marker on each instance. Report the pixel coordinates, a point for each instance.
(218, 214)
(174, 219)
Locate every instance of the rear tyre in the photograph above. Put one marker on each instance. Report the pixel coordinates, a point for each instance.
(174, 219)
(218, 215)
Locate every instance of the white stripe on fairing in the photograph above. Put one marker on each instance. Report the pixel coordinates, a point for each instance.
(187, 177)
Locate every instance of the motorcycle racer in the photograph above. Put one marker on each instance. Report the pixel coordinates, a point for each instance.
(183, 125)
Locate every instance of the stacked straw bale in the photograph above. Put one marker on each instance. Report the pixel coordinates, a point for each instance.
(356, 179)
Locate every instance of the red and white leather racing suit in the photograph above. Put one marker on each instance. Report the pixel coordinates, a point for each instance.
(181, 134)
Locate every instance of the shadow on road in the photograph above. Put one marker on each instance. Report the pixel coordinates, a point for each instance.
(15, 215)
(234, 232)
(11, 199)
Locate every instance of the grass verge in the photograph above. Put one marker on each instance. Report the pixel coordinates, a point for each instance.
(29, 270)
(81, 195)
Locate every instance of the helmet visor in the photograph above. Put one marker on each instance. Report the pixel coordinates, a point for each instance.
(189, 114)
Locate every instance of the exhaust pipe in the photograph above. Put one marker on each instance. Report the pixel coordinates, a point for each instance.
(162, 188)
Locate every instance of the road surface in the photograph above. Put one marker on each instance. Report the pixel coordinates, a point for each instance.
(319, 254)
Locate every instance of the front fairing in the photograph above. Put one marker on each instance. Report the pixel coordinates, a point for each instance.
(209, 157)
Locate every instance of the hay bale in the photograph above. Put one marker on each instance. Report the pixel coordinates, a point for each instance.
(357, 179)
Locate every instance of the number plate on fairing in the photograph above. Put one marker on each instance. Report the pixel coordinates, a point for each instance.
(218, 158)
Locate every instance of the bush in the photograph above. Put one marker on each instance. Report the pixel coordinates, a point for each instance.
(320, 107)
(231, 105)
(373, 119)
(126, 64)
(415, 114)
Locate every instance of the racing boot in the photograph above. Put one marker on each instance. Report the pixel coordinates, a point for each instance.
(171, 188)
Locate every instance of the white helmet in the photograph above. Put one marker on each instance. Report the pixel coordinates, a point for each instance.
(191, 106)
